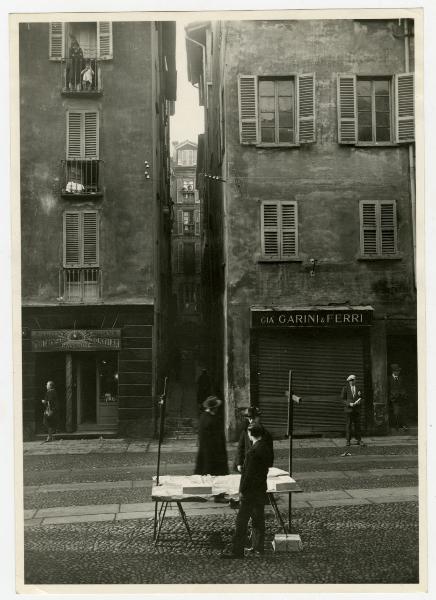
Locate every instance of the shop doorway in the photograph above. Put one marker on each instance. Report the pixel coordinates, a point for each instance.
(50, 366)
(402, 349)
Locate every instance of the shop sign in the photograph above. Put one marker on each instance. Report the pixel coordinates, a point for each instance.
(311, 318)
(52, 340)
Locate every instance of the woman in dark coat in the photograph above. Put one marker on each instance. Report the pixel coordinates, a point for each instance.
(74, 68)
(50, 403)
(212, 452)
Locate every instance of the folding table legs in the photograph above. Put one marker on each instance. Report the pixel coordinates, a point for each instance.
(159, 516)
(276, 510)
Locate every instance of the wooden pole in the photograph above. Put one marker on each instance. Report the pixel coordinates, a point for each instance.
(69, 391)
(162, 400)
(290, 438)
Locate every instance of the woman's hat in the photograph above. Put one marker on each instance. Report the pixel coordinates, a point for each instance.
(212, 402)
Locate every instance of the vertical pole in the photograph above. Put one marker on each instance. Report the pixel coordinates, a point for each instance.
(290, 437)
(69, 392)
(162, 400)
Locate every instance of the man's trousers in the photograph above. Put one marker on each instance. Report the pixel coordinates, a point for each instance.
(352, 419)
(254, 508)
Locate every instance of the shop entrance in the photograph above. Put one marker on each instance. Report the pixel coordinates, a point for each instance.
(402, 349)
(49, 366)
(95, 381)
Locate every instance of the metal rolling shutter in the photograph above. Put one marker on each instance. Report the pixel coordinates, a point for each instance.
(320, 362)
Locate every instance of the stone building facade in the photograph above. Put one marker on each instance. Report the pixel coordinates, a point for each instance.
(309, 210)
(95, 100)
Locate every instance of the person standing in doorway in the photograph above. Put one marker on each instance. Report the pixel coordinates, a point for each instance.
(252, 490)
(397, 397)
(212, 452)
(204, 388)
(50, 403)
(353, 401)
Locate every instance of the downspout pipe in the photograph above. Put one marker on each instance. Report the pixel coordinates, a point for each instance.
(412, 178)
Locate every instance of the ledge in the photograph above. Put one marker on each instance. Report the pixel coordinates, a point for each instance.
(279, 260)
(378, 257)
(266, 145)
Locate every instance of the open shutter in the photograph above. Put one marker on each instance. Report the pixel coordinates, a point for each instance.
(288, 229)
(405, 107)
(56, 41)
(368, 228)
(72, 239)
(388, 228)
(347, 109)
(74, 135)
(270, 230)
(197, 258)
(91, 134)
(197, 221)
(180, 222)
(90, 239)
(104, 40)
(306, 108)
(248, 120)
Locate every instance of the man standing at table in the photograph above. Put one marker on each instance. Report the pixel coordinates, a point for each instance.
(252, 489)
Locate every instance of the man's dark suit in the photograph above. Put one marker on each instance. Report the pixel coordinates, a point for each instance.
(397, 398)
(252, 489)
(352, 413)
(244, 445)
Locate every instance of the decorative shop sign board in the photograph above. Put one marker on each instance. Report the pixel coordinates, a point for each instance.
(50, 340)
(312, 318)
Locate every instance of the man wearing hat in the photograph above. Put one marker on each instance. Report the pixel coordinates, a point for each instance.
(397, 397)
(252, 415)
(212, 452)
(353, 402)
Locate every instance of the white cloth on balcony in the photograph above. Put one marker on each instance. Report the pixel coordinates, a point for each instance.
(72, 186)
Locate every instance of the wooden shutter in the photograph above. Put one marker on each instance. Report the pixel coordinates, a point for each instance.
(289, 229)
(180, 257)
(180, 222)
(104, 40)
(388, 228)
(90, 238)
(368, 228)
(248, 119)
(197, 221)
(197, 257)
(74, 134)
(306, 108)
(72, 239)
(405, 107)
(90, 127)
(347, 109)
(270, 229)
(56, 41)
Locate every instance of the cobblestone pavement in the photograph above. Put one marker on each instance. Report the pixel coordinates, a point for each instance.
(353, 544)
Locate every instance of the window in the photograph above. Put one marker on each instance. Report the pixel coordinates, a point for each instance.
(278, 111)
(81, 276)
(279, 226)
(378, 228)
(94, 38)
(187, 157)
(188, 297)
(188, 222)
(375, 110)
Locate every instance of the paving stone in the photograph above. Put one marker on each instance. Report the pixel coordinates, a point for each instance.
(141, 483)
(78, 519)
(324, 495)
(369, 492)
(77, 510)
(399, 498)
(28, 513)
(136, 506)
(319, 475)
(388, 472)
(338, 502)
(124, 516)
(32, 522)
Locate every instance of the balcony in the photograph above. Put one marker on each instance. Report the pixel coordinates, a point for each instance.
(82, 178)
(80, 285)
(81, 77)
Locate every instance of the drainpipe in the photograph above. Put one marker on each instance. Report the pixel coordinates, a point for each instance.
(411, 152)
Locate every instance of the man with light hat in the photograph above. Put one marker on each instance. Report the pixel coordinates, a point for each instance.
(353, 402)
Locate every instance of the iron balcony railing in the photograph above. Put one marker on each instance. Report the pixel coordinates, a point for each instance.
(81, 76)
(80, 285)
(82, 177)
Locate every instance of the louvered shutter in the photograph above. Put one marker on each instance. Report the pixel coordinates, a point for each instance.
(288, 229)
(72, 239)
(91, 134)
(197, 221)
(90, 238)
(74, 135)
(405, 107)
(347, 109)
(388, 229)
(270, 229)
(180, 222)
(197, 258)
(368, 228)
(56, 41)
(248, 119)
(180, 257)
(306, 108)
(104, 40)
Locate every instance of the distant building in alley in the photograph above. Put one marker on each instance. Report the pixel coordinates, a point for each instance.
(95, 220)
(307, 181)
